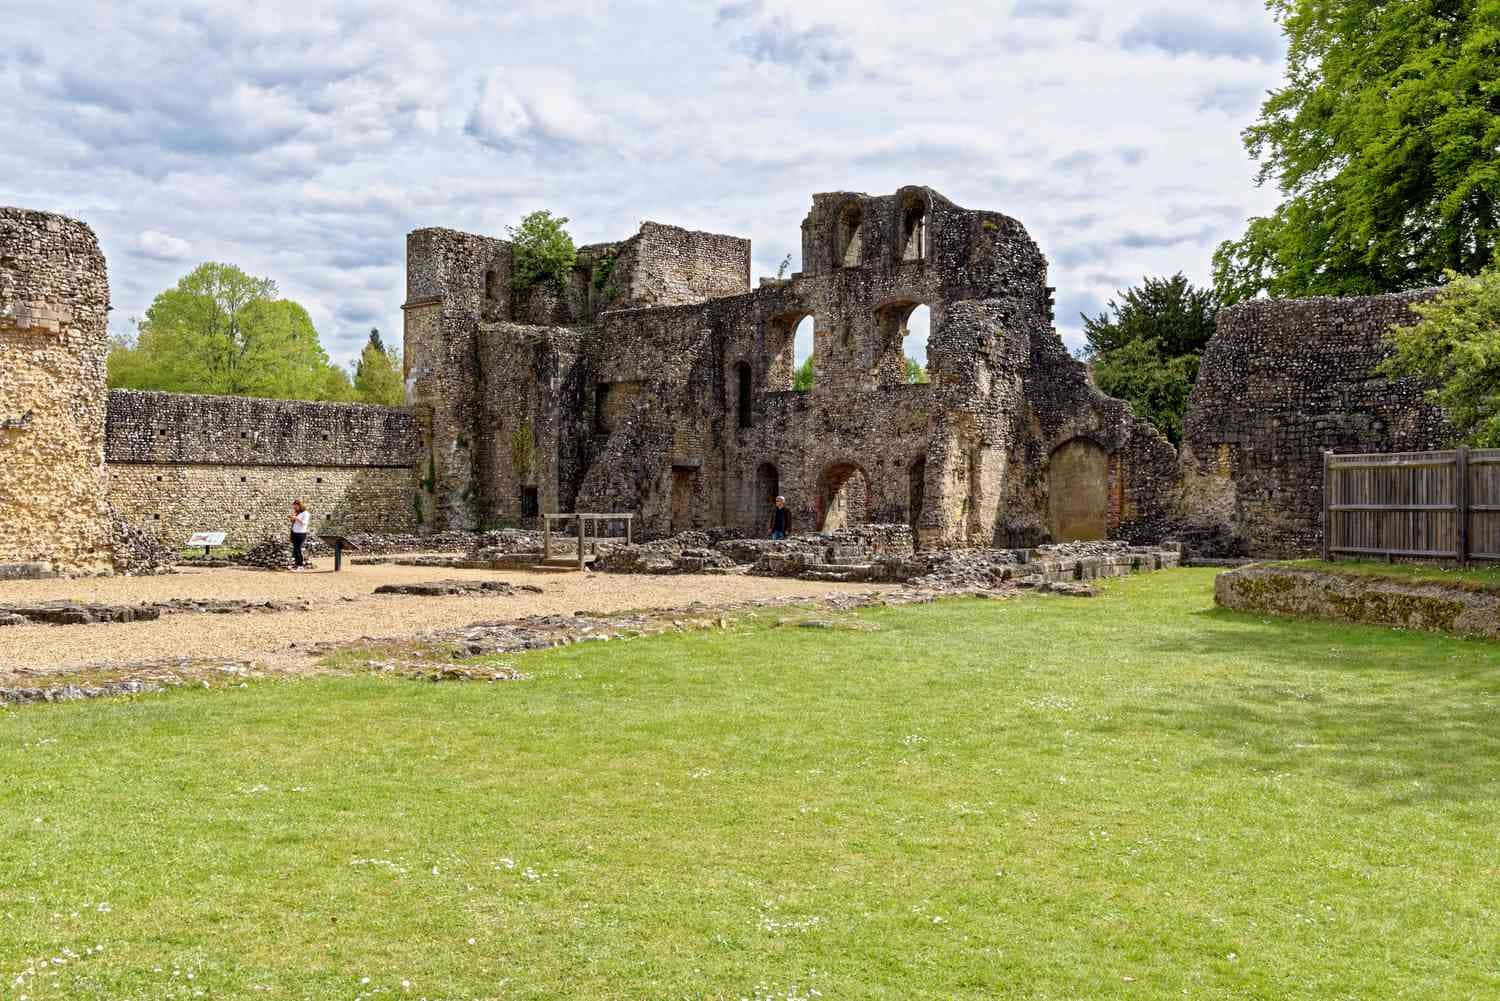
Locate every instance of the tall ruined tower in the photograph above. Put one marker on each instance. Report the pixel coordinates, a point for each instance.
(54, 306)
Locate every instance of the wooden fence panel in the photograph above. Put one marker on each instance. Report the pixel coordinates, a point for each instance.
(1484, 504)
(1400, 504)
(1431, 505)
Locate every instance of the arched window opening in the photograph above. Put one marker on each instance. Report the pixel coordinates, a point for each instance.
(903, 329)
(1078, 491)
(914, 344)
(802, 347)
(492, 284)
(917, 490)
(914, 232)
(743, 379)
(788, 342)
(844, 497)
(849, 240)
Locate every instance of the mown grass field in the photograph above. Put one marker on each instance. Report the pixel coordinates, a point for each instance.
(1134, 796)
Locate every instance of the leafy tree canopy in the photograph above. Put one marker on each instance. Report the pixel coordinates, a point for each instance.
(377, 374)
(223, 332)
(1146, 346)
(542, 251)
(1455, 348)
(916, 372)
(1383, 141)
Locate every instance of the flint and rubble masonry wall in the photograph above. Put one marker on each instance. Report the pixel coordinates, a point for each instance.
(1281, 381)
(54, 303)
(179, 464)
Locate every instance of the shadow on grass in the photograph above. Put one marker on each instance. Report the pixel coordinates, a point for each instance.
(1409, 717)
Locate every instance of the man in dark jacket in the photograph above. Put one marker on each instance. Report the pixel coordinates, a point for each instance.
(781, 520)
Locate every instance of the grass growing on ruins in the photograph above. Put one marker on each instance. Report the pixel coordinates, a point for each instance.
(1486, 576)
(1131, 796)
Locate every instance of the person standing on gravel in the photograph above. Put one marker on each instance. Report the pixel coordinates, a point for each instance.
(300, 519)
(781, 520)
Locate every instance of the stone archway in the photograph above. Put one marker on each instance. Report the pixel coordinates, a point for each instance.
(1078, 491)
(843, 497)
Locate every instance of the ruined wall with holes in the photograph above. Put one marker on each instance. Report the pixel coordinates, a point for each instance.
(657, 381)
(54, 306)
(179, 464)
(1280, 382)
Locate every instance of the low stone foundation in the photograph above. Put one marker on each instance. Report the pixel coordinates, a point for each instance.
(1460, 607)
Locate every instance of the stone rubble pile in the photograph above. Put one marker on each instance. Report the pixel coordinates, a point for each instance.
(73, 613)
(687, 552)
(884, 553)
(136, 553)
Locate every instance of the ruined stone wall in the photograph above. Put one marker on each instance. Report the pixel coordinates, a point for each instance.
(179, 463)
(684, 413)
(1280, 382)
(672, 266)
(54, 304)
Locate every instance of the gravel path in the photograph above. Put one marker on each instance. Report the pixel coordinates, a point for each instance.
(343, 609)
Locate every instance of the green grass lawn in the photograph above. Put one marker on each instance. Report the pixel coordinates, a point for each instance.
(1134, 796)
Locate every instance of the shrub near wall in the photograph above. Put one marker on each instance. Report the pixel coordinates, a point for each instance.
(179, 464)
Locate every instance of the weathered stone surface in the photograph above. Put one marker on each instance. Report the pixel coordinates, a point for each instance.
(666, 390)
(54, 303)
(1280, 382)
(180, 464)
(1440, 606)
(439, 588)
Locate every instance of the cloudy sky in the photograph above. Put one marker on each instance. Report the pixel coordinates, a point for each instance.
(303, 141)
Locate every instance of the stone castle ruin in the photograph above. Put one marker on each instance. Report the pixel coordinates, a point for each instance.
(658, 382)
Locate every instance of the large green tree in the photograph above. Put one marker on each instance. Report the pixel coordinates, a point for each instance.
(1385, 142)
(1455, 348)
(224, 332)
(377, 374)
(1145, 347)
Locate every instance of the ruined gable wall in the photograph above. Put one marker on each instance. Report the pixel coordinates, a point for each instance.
(1281, 381)
(54, 303)
(532, 409)
(659, 453)
(179, 463)
(446, 299)
(671, 266)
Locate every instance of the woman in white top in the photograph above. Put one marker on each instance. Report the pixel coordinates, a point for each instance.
(299, 519)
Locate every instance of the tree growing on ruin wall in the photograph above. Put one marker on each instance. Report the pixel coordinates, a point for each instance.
(542, 251)
(1383, 141)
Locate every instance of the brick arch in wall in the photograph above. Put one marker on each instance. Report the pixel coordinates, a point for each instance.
(848, 235)
(843, 496)
(779, 366)
(1078, 477)
(892, 327)
(742, 392)
(913, 220)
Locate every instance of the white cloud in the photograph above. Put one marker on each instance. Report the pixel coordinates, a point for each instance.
(163, 246)
(304, 144)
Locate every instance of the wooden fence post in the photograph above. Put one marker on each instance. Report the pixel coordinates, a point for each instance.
(1461, 488)
(580, 542)
(1327, 506)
